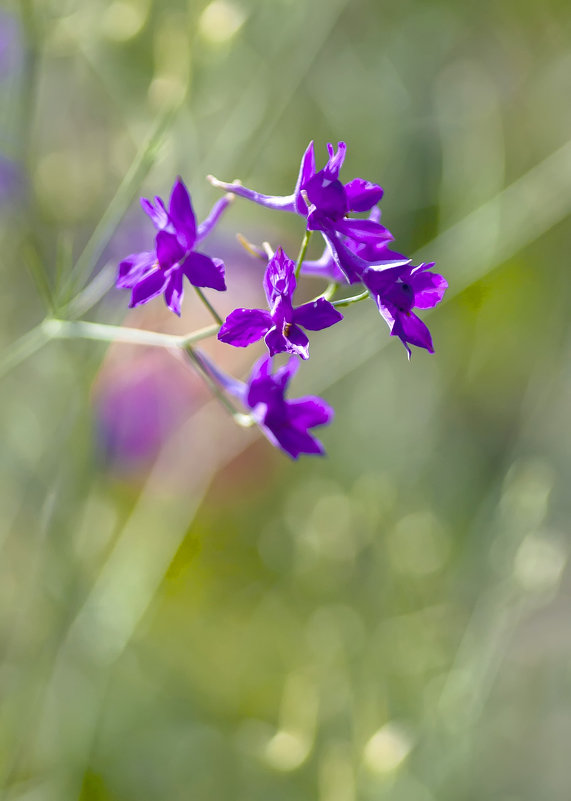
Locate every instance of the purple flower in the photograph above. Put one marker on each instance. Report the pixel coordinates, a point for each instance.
(285, 423)
(281, 326)
(149, 274)
(397, 290)
(323, 199)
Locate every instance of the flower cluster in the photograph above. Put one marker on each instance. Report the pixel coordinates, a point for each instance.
(356, 251)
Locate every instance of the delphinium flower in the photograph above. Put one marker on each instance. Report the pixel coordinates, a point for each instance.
(285, 423)
(324, 201)
(153, 273)
(397, 290)
(281, 326)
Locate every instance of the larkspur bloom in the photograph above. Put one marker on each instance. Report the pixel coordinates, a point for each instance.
(285, 423)
(282, 325)
(397, 290)
(153, 273)
(324, 201)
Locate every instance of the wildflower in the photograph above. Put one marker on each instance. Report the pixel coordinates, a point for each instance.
(329, 200)
(399, 289)
(149, 274)
(281, 326)
(285, 423)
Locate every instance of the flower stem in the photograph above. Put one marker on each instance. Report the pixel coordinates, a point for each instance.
(209, 306)
(80, 329)
(302, 251)
(328, 292)
(349, 301)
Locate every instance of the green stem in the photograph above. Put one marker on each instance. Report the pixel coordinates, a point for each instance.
(302, 251)
(327, 293)
(119, 204)
(80, 329)
(353, 299)
(209, 306)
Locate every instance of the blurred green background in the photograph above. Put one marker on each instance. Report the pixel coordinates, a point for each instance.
(185, 613)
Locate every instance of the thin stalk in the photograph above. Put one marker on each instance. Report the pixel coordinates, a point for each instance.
(121, 201)
(327, 293)
(209, 306)
(80, 329)
(353, 299)
(302, 252)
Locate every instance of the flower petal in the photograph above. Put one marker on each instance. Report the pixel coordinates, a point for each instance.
(216, 212)
(429, 289)
(201, 270)
(328, 196)
(174, 291)
(182, 214)
(276, 341)
(169, 249)
(309, 411)
(242, 327)
(362, 195)
(279, 278)
(306, 171)
(336, 160)
(297, 342)
(156, 212)
(133, 268)
(148, 288)
(316, 315)
(293, 441)
(410, 329)
(364, 231)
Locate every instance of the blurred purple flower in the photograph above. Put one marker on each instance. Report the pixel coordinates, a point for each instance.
(140, 400)
(281, 326)
(285, 423)
(397, 290)
(149, 274)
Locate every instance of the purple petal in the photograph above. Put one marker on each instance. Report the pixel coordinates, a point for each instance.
(364, 231)
(297, 341)
(410, 329)
(133, 268)
(429, 289)
(279, 278)
(316, 315)
(156, 212)
(201, 270)
(293, 441)
(362, 195)
(335, 159)
(242, 327)
(306, 171)
(351, 265)
(174, 291)
(324, 267)
(276, 341)
(310, 411)
(182, 215)
(378, 281)
(328, 196)
(148, 288)
(216, 212)
(169, 250)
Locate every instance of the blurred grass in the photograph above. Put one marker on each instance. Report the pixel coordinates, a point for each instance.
(214, 621)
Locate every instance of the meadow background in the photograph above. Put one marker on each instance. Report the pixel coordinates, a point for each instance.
(184, 612)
